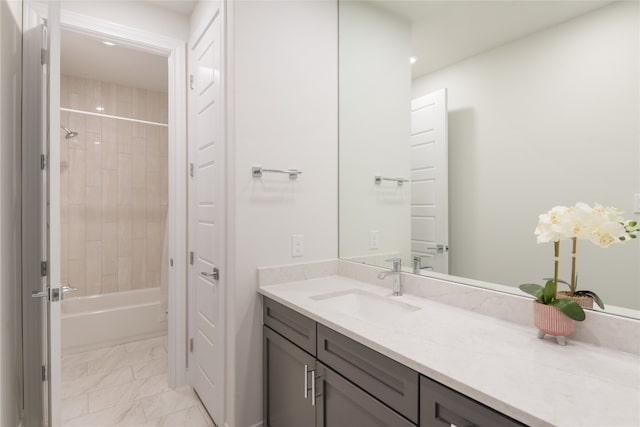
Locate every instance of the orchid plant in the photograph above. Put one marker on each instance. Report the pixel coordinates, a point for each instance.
(602, 226)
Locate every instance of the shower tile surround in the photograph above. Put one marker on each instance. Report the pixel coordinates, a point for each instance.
(114, 187)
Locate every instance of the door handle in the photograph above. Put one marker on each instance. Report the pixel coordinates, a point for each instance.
(41, 294)
(66, 289)
(54, 294)
(215, 275)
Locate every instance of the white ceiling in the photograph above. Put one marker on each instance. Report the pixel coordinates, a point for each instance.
(183, 7)
(88, 57)
(445, 32)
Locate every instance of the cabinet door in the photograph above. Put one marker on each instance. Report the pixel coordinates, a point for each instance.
(442, 407)
(390, 382)
(287, 381)
(341, 404)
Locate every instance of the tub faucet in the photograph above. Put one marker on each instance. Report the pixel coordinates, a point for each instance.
(397, 279)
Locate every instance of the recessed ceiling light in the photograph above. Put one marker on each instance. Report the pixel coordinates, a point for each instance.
(100, 108)
(109, 43)
(412, 60)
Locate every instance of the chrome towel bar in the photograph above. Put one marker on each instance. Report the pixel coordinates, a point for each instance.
(257, 171)
(378, 180)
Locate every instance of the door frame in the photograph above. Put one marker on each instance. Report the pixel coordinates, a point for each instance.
(175, 51)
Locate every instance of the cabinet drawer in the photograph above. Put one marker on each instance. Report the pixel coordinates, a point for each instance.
(342, 404)
(389, 381)
(292, 325)
(440, 406)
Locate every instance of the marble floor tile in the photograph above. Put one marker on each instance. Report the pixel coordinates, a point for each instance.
(150, 369)
(96, 382)
(126, 414)
(169, 402)
(74, 407)
(73, 371)
(112, 396)
(191, 417)
(87, 356)
(145, 344)
(126, 385)
(122, 358)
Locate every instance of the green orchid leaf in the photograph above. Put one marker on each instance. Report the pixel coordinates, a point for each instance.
(559, 280)
(569, 307)
(533, 289)
(549, 292)
(593, 295)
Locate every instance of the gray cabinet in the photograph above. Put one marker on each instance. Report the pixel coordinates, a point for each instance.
(440, 406)
(341, 404)
(287, 391)
(390, 382)
(293, 326)
(317, 377)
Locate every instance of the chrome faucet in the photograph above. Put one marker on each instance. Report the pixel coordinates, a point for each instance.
(417, 264)
(397, 279)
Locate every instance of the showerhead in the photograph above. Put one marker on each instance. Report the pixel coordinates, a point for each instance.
(70, 133)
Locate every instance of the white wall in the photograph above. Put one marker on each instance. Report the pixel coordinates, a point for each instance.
(374, 132)
(550, 119)
(10, 213)
(282, 113)
(135, 14)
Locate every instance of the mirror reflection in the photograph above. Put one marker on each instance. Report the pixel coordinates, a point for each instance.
(461, 122)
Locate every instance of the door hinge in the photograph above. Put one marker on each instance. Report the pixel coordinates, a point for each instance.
(44, 59)
(191, 82)
(43, 162)
(191, 258)
(191, 345)
(191, 170)
(44, 268)
(44, 373)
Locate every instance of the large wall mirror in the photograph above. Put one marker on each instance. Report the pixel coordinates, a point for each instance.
(462, 121)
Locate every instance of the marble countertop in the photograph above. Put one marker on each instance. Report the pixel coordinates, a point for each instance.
(495, 362)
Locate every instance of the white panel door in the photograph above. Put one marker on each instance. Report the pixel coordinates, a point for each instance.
(429, 182)
(207, 216)
(42, 290)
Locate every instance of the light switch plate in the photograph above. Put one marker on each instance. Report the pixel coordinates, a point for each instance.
(636, 203)
(297, 245)
(373, 239)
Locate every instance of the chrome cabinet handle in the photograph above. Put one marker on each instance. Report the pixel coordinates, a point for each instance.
(313, 387)
(306, 381)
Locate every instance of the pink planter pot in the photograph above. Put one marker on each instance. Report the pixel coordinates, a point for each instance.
(550, 321)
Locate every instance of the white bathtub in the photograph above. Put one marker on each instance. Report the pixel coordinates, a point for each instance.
(115, 318)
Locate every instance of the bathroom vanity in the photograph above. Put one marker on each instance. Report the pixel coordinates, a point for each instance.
(344, 352)
(315, 376)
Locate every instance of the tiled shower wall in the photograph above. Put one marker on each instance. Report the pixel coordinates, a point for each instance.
(114, 195)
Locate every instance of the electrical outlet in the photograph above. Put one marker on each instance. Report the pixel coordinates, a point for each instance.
(373, 239)
(636, 203)
(297, 245)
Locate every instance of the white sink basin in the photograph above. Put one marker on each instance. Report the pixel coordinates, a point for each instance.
(363, 305)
